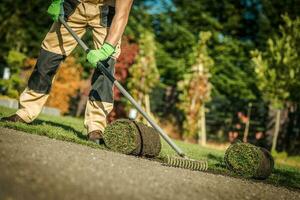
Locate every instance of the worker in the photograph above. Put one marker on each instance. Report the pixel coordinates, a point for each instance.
(107, 20)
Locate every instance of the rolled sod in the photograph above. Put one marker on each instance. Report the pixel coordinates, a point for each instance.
(130, 137)
(249, 161)
(151, 144)
(122, 136)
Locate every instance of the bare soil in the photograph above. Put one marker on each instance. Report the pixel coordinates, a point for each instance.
(36, 167)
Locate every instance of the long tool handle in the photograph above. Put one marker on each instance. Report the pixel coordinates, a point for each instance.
(124, 92)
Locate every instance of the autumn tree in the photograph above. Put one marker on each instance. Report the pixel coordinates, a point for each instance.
(195, 91)
(144, 75)
(129, 50)
(277, 69)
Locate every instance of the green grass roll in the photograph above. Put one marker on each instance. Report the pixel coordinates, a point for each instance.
(122, 136)
(134, 138)
(249, 161)
(151, 145)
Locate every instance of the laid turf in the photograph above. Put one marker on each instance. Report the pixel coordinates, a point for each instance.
(72, 130)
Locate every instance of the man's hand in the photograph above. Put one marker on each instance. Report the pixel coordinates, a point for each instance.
(54, 9)
(94, 56)
(115, 33)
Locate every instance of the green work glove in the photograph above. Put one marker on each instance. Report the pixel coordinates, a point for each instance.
(94, 56)
(54, 9)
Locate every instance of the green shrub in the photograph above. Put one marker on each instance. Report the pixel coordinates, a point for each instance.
(11, 87)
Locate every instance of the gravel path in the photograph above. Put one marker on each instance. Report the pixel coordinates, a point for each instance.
(35, 167)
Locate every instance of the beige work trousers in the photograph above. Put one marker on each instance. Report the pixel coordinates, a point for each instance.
(87, 13)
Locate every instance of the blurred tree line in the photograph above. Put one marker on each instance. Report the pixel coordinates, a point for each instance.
(253, 47)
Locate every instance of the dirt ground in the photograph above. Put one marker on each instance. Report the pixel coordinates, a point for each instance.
(35, 167)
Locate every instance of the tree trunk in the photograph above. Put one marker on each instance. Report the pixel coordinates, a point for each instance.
(81, 105)
(202, 123)
(246, 132)
(276, 132)
(147, 106)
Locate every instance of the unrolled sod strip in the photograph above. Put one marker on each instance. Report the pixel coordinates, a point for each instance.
(249, 161)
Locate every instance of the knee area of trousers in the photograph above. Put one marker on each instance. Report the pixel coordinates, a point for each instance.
(44, 71)
(102, 87)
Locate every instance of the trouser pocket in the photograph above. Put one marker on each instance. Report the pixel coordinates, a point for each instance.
(102, 87)
(70, 7)
(107, 14)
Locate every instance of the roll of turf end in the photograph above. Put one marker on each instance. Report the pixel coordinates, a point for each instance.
(122, 136)
(150, 140)
(132, 138)
(249, 161)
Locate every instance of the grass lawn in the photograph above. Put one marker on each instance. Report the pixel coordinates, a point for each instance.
(72, 130)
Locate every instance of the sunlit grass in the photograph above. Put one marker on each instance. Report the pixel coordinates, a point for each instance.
(72, 130)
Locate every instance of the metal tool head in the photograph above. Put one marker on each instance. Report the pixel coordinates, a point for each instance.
(186, 163)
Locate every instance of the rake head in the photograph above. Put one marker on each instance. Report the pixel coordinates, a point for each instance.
(186, 163)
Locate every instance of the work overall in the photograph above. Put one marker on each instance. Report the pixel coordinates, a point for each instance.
(58, 44)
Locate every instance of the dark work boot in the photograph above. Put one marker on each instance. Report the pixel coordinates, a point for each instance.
(13, 118)
(95, 136)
